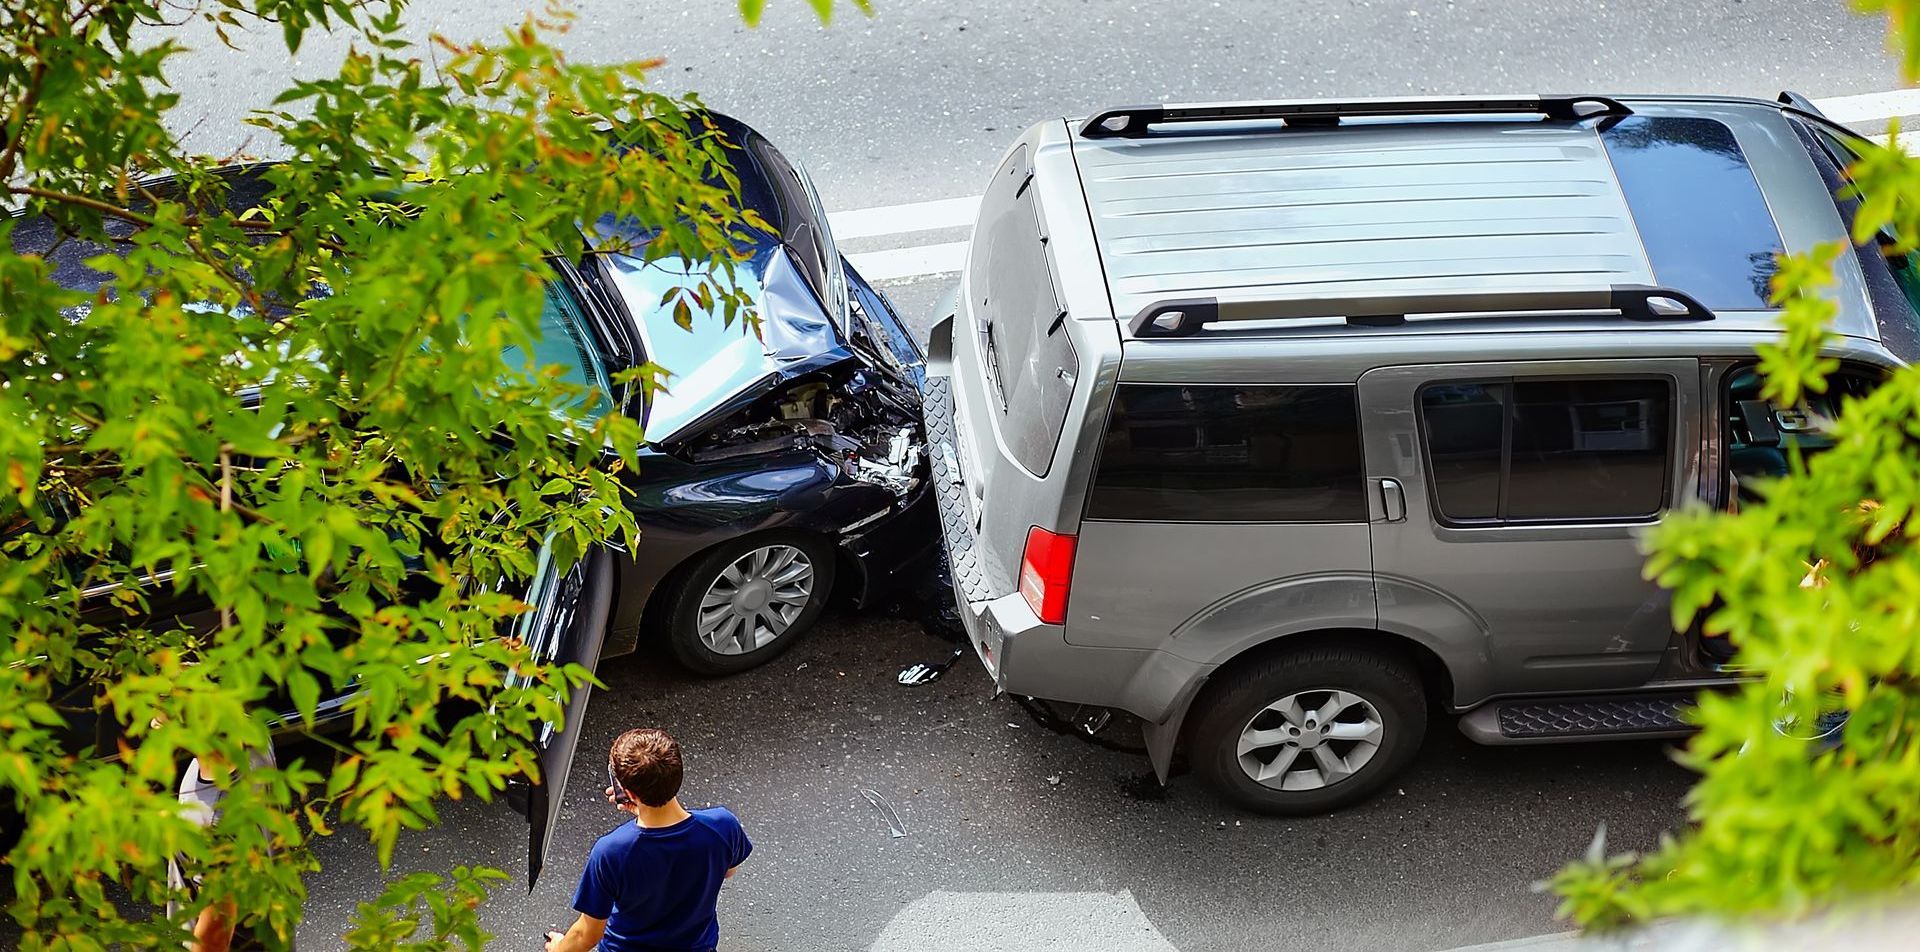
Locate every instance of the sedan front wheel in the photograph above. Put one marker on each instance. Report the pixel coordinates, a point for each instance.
(745, 602)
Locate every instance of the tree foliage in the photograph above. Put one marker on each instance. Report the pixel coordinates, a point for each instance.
(1777, 826)
(295, 409)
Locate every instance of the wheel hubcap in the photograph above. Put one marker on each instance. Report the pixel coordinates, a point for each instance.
(755, 599)
(1310, 739)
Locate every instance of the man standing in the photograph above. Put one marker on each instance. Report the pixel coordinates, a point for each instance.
(652, 885)
(201, 790)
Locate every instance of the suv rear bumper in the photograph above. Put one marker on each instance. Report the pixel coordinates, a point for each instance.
(1028, 658)
(1023, 655)
(1032, 659)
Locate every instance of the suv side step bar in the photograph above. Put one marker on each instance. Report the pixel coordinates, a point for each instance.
(1130, 122)
(1584, 718)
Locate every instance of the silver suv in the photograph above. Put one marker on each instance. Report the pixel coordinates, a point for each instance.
(1278, 425)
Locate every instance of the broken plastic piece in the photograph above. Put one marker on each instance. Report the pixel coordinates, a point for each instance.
(1094, 722)
(924, 673)
(894, 828)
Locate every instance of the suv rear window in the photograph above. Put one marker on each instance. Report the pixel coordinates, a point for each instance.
(1698, 209)
(1548, 450)
(1224, 453)
(1030, 364)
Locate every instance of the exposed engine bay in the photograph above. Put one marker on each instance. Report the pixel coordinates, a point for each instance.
(867, 425)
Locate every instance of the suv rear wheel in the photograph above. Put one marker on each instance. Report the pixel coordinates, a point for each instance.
(1311, 730)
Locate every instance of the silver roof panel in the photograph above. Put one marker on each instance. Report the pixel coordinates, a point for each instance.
(1362, 208)
(1389, 207)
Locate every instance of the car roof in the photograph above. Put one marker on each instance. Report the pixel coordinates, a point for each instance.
(1238, 212)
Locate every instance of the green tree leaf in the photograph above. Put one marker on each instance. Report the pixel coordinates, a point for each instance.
(294, 409)
(1778, 826)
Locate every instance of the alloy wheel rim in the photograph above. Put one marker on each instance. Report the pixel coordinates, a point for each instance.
(1310, 740)
(755, 599)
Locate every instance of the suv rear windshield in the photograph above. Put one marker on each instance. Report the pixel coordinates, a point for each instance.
(1030, 364)
(1698, 209)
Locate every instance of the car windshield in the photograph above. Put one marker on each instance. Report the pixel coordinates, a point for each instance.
(564, 341)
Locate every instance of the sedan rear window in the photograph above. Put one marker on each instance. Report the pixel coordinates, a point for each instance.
(1699, 211)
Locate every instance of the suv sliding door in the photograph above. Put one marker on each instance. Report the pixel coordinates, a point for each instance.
(1508, 501)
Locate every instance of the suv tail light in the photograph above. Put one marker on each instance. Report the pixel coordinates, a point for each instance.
(1045, 569)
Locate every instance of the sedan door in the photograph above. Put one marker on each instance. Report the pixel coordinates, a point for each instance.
(568, 624)
(1510, 499)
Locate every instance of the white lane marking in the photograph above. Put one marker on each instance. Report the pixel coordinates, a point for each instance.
(1870, 106)
(900, 219)
(910, 262)
(923, 260)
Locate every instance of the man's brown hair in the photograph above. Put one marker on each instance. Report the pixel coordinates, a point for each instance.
(646, 762)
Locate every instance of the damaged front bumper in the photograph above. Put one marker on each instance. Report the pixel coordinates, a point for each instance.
(890, 544)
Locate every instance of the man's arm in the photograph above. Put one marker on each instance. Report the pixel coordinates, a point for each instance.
(579, 937)
(213, 931)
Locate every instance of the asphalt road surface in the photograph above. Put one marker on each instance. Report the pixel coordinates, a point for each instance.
(1017, 838)
(1022, 839)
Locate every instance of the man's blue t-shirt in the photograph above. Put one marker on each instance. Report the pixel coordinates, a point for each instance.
(657, 887)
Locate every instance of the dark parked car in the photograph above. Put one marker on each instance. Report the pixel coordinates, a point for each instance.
(782, 466)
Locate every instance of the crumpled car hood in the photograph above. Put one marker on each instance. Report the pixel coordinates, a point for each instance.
(714, 365)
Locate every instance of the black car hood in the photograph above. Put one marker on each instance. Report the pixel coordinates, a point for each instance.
(712, 364)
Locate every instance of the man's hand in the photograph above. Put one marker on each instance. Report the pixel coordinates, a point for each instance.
(630, 806)
(580, 937)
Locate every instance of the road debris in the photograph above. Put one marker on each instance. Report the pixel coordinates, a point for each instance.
(927, 673)
(895, 829)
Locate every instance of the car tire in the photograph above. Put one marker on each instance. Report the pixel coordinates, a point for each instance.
(1268, 718)
(781, 603)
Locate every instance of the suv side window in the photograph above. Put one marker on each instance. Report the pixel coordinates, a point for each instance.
(1548, 449)
(1229, 453)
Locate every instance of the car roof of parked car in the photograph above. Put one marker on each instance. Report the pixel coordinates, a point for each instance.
(1694, 194)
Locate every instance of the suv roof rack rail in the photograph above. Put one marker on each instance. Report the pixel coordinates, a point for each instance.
(1134, 121)
(1184, 318)
(1793, 100)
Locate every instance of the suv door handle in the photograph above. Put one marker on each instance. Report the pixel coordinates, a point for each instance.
(1393, 500)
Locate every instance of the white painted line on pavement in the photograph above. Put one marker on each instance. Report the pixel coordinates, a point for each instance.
(921, 260)
(1870, 106)
(910, 262)
(900, 219)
